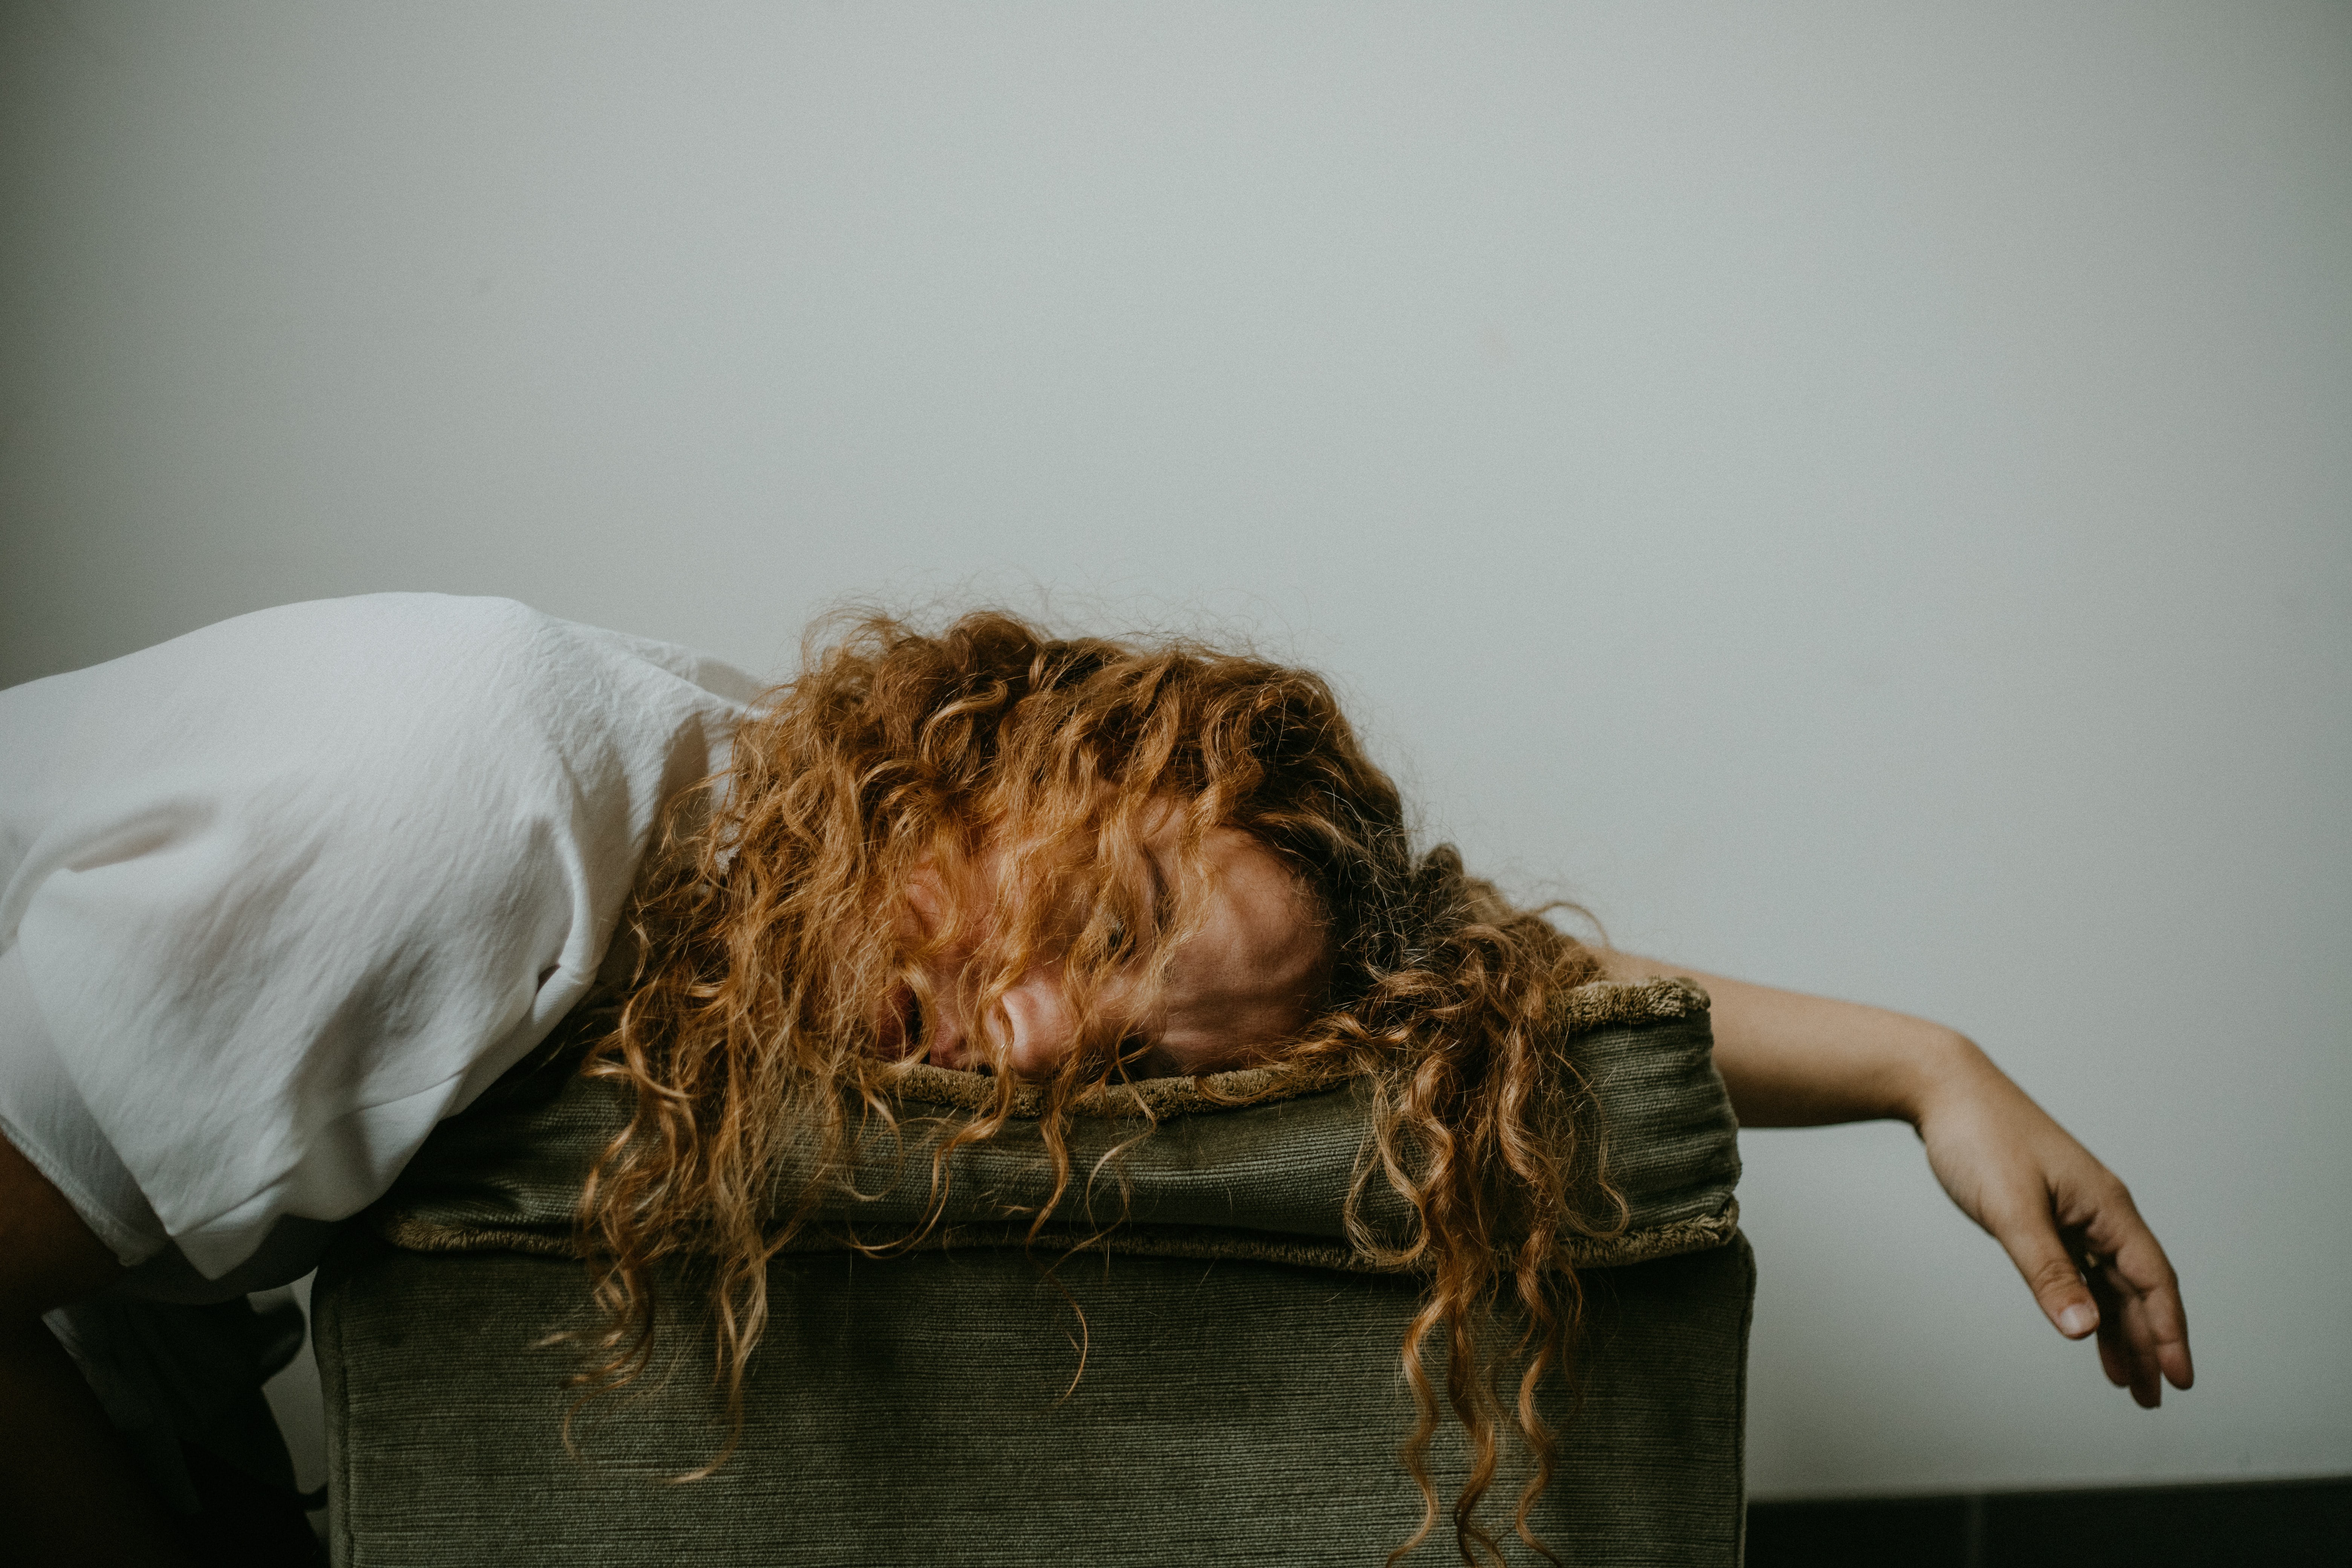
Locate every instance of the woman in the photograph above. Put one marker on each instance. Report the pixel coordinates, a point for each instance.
(1058, 861)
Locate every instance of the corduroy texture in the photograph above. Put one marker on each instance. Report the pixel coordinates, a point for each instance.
(1275, 1167)
(1239, 1401)
(910, 1412)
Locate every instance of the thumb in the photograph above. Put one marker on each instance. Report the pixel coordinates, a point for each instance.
(2029, 1237)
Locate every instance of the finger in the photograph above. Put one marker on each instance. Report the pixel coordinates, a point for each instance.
(2155, 1334)
(2154, 1323)
(2125, 1349)
(2118, 1356)
(2161, 1327)
(2139, 1358)
(2135, 1350)
(2029, 1236)
(2114, 1355)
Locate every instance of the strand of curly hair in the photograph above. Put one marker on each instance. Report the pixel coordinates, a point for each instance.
(757, 1048)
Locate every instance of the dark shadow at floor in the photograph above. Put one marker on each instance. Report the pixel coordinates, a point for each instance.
(2273, 1524)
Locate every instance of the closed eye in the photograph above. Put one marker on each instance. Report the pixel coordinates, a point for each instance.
(1142, 1059)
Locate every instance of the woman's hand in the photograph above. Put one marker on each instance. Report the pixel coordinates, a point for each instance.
(1793, 1060)
(2066, 1221)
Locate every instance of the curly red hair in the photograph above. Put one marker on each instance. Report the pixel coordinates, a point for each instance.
(772, 923)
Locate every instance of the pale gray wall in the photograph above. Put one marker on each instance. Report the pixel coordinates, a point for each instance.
(1859, 493)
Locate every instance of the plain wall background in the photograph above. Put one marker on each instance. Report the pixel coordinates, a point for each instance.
(1859, 494)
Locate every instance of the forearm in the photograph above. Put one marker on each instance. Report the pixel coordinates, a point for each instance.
(1793, 1060)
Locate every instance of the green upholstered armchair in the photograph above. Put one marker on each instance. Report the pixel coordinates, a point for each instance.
(1239, 1400)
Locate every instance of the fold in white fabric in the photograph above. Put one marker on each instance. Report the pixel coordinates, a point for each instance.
(283, 893)
(42, 1113)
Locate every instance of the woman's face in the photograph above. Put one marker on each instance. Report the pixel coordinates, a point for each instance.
(1242, 984)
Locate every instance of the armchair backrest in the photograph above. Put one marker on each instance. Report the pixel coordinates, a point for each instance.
(1214, 1376)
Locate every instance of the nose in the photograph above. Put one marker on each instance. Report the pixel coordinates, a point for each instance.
(1037, 1016)
(1034, 1016)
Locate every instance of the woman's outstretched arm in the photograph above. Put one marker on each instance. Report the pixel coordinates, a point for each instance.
(2068, 1224)
(68, 1489)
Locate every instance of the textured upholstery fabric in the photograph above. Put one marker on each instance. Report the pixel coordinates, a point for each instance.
(1239, 1398)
